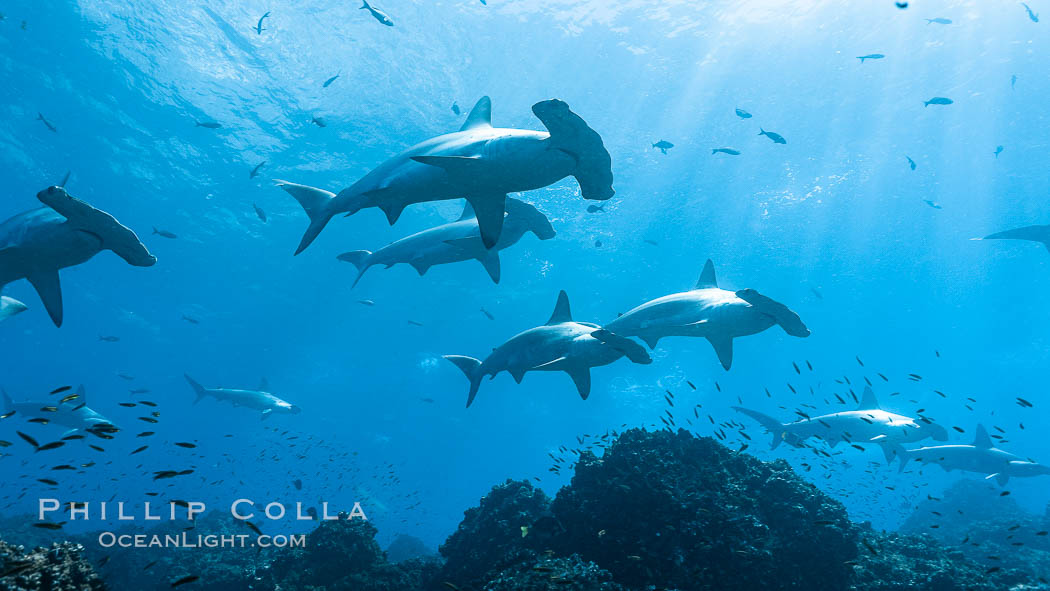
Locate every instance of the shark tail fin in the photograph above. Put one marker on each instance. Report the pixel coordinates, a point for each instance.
(361, 259)
(571, 134)
(472, 369)
(772, 425)
(316, 204)
(197, 388)
(364, 6)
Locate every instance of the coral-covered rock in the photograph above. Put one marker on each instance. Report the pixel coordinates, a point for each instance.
(988, 528)
(490, 537)
(892, 562)
(674, 510)
(554, 574)
(61, 567)
(154, 569)
(405, 547)
(343, 555)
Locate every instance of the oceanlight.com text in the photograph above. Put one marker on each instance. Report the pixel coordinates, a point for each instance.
(187, 540)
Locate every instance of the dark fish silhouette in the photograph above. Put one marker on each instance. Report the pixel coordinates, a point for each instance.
(663, 145)
(40, 117)
(378, 14)
(776, 137)
(259, 26)
(1031, 15)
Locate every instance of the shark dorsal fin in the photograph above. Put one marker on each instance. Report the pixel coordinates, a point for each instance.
(561, 310)
(82, 393)
(480, 115)
(867, 400)
(982, 440)
(468, 212)
(264, 385)
(707, 277)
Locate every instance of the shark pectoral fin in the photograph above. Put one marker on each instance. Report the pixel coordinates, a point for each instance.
(581, 376)
(1033, 233)
(892, 450)
(266, 413)
(490, 261)
(489, 209)
(50, 290)
(70, 432)
(651, 341)
(420, 267)
(392, 211)
(1000, 477)
(877, 438)
(723, 348)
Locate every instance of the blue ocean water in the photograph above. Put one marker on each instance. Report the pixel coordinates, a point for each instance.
(834, 223)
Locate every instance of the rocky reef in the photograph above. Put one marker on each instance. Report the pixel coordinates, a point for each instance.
(343, 556)
(406, 547)
(657, 510)
(684, 512)
(60, 567)
(987, 527)
(894, 562)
